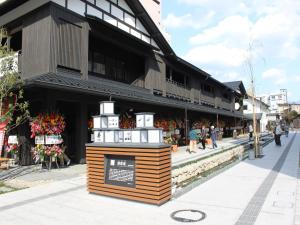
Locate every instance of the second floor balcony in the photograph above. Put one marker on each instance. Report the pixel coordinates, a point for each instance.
(177, 90)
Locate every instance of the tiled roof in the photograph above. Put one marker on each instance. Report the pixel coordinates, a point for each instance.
(99, 86)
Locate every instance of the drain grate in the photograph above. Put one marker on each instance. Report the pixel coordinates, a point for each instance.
(188, 215)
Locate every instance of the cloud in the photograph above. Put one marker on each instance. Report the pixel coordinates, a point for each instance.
(188, 20)
(275, 75)
(216, 54)
(232, 31)
(297, 78)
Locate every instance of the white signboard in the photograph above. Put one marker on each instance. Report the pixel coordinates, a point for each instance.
(113, 122)
(109, 136)
(12, 139)
(144, 136)
(96, 122)
(139, 120)
(53, 139)
(127, 136)
(154, 136)
(99, 136)
(148, 120)
(104, 122)
(136, 136)
(39, 140)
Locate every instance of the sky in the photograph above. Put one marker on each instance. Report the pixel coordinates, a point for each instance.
(226, 38)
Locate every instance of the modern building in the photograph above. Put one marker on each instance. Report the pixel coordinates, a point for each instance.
(274, 100)
(261, 112)
(75, 53)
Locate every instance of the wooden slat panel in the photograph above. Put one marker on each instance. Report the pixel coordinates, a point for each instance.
(96, 166)
(153, 171)
(95, 155)
(136, 190)
(156, 180)
(95, 149)
(157, 167)
(105, 152)
(152, 184)
(126, 193)
(168, 185)
(138, 158)
(139, 162)
(152, 201)
(151, 175)
(94, 159)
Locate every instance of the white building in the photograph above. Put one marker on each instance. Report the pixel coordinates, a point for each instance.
(261, 110)
(153, 8)
(274, 100)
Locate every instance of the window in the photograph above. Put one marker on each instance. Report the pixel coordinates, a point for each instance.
(207, 88)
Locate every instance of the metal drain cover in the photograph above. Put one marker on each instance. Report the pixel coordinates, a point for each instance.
(188, 215)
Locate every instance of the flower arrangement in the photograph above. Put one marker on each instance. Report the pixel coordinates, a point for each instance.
(126, 122)
(39, 153)
(12, 148)
(49, 124)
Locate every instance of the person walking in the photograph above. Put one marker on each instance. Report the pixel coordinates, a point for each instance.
(286, 130)
(203, 136)
(278, 132)
(250, 131)
(193, 136)
(213, 136)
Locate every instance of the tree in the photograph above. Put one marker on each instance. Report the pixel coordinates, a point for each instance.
(289, 116)
(13, 108)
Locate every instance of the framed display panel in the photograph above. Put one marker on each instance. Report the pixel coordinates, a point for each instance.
(106, 108)
(104, 122)
(12, 139)
(99, 136)
(136, 136)
(120, 170)
(144, 136)
(97, 122)
(113, 121)
(154, 136)
(144, 120)
(127, 136)
(109, 136)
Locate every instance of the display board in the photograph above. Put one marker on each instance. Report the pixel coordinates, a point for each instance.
(120, 170)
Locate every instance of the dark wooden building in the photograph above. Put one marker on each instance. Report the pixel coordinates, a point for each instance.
(75, 53)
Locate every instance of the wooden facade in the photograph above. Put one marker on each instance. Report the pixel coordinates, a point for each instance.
(84, 42)
(152, 173)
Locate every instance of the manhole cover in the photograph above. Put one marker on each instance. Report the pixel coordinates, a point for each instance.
(188, 215)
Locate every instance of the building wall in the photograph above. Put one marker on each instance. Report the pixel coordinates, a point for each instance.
(153, 8)
(295, 107)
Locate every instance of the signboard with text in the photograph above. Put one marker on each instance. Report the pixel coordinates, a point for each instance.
(120, 170)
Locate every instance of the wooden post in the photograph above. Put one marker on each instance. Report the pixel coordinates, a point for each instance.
(186, 126)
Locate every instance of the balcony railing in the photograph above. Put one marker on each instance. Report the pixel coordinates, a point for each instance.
(177, 90)
(10, 64)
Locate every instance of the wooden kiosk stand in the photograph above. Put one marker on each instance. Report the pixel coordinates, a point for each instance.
(130, 164)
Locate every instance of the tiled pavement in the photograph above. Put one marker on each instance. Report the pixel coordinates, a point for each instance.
(223, 198)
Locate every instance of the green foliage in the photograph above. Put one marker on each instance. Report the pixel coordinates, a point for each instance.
(290, 116)
(13, 108)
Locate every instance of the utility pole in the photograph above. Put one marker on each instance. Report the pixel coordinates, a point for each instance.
(252, 83)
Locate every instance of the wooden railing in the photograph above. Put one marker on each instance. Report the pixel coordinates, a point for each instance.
(177, 90)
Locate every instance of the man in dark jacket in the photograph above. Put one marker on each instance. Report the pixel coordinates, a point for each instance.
(203, 136)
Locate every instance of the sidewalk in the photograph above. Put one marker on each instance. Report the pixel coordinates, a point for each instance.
(225, 199)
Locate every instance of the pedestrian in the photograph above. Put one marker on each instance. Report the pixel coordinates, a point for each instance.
(193, 136)
(213, 136)
(278, 132)
(203, 136)
(286, 130)
(250, 131)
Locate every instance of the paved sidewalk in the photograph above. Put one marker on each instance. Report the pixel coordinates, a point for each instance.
(224, 199)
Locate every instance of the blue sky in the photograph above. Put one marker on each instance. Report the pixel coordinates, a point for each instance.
(215, 36)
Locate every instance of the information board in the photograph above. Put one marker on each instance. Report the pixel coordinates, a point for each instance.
(120, 170)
